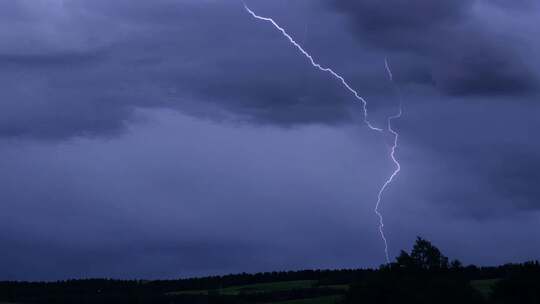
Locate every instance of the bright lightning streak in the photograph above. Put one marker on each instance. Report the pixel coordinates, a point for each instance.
(366, 121)
(394, 160)
(317, 65)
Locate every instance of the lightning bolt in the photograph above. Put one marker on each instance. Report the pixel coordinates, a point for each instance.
(394, 160)
(317, 65)
(342, 80)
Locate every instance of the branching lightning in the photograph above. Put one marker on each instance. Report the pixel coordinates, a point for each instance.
(366, 120)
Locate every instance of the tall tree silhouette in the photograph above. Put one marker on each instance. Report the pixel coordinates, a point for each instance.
(421, 277)
(427, 256)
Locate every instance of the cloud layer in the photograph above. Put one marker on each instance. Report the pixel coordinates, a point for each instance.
(138, 139)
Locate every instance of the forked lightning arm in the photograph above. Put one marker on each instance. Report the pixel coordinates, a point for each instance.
(318, 66)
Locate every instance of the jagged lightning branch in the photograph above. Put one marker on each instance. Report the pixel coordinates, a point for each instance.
(394, 160)
(366, 121)
(317, 65)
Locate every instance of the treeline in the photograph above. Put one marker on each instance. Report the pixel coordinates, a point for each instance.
(423, 275)
(326, 277)
(159, 291)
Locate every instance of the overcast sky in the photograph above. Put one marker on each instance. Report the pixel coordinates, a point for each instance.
(173, 138)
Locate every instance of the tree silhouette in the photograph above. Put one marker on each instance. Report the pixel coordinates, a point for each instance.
(424, 255)
(421, 277)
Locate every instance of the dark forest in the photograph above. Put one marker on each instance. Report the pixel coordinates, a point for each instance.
(423, 275)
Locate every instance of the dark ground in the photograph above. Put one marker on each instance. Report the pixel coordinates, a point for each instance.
(424, 275)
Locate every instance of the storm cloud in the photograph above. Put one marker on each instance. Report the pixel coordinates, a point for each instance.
(174, 138)
(113, 58)
(81, 68)
(463, 49)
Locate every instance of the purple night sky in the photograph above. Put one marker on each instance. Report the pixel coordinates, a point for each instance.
(175, 138)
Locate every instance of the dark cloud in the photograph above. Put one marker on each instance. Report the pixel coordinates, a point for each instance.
(81, 68)
(392, 15)
(196, 57)
(463, 55)
(156, 135)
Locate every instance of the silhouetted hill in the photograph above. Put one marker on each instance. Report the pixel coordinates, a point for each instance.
(424, 275)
